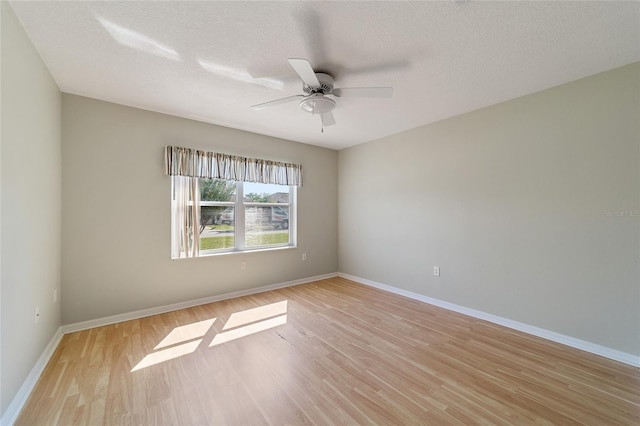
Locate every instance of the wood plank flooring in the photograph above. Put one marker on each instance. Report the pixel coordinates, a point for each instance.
(330, 352)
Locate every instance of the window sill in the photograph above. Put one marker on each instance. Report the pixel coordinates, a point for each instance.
(211, 253)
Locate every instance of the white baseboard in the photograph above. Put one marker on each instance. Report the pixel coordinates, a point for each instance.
(14, 408)
(99, 322)
(584, 345)
(12, 412)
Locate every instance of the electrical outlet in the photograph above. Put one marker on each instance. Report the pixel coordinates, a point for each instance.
(304, 256)
(36, 315)
(436, 271)
(243, 265)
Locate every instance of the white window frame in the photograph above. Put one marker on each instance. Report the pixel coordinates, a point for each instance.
(239, 206)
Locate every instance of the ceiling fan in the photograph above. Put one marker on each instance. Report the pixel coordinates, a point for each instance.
(317, 87)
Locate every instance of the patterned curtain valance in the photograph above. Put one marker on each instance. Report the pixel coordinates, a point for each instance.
(180, 161)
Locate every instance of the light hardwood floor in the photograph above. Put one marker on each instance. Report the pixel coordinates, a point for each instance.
(331, 352)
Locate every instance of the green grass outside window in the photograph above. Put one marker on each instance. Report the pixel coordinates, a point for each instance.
(253, 240)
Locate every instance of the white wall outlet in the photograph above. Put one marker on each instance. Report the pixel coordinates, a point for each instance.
(436, 271)
(243, 265)
(304, 256)
(55, 295)
(36, 315)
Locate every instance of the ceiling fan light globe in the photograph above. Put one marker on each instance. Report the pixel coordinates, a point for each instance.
(317, 104)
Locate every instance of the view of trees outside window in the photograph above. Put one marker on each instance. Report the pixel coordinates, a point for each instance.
(217, 207)
(264, 207)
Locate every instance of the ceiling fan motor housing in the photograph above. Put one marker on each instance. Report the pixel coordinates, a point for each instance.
(317, 102)
(326, 85)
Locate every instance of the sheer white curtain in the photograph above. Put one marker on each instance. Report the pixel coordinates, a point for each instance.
(185, 217)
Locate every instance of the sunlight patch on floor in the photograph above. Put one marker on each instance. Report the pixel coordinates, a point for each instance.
(247, 330)
(186, 332)
(167, 354)
(256, 314)
(185, 339)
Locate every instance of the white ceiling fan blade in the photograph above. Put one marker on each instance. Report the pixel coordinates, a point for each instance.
(364, 92)
(328, 119)
(305, 71)
(277, 102)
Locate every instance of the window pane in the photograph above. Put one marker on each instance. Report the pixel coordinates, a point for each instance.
(266, 225)
(217, 190)
(217, 225)
(265, 193)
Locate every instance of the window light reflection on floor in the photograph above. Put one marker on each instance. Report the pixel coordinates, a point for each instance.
(167, 354)
(181, 334)
(256, 314)
(251, 321)
(246, 330)
(185, 339)
(186, 332)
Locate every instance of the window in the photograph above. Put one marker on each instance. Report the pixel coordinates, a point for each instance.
(233, 216)
(222, 202)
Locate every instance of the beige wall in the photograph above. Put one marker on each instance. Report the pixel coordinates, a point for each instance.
(517, 204)
(116, 222)
(30, 196)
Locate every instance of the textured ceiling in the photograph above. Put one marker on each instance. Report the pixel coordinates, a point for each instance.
(211, 60)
